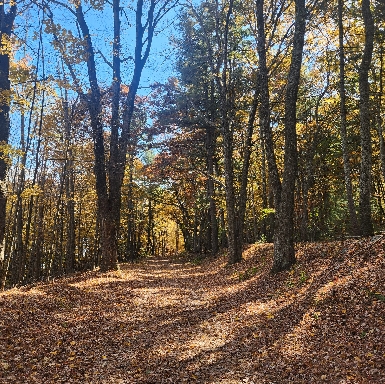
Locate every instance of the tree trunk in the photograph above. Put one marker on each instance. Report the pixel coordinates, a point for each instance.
(354, 227)
(109, 194)
(264, 107)
(213, 222)
(131, 238)
(284, 254)
(379, 120)
(366, 145)
(6, 26)
(234, 235)
(70, 194)
(150, 247)
(246, 165)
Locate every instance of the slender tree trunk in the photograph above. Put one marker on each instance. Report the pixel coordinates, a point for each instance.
(246, 164)
(37, 251)
(211, 138)
(150, 247)
(366, 144)
(379, 120)
(354, 227)
(131, 238)
(264, 108)
(284, 254)
(210, 149)
(6, 26)
(234, 236)
(70, 194)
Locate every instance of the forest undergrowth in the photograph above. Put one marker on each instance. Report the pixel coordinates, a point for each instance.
(201, 321)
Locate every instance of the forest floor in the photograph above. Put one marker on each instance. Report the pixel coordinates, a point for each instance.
(200, 321)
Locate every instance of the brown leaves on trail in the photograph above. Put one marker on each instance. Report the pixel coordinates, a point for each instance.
(175, 322)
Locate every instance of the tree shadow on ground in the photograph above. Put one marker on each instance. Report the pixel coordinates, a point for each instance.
(166, 322)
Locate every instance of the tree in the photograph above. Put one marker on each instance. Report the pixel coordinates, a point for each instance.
(284, 254)
(354, 227)
(109, 172)
(7, 18)
(366, 145)
(218, 35)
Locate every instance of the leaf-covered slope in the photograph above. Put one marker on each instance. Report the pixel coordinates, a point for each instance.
(167, 321)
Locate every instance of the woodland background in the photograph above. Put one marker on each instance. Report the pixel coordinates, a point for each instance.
(270, 128)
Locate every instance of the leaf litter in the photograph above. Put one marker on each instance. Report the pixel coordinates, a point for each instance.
(172, 321)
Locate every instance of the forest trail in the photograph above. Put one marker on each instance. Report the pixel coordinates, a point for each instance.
(175, 321)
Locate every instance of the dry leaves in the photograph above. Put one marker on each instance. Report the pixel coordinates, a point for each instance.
(167, 321)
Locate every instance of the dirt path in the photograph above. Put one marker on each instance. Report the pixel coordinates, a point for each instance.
(148, 323)
(171, 322)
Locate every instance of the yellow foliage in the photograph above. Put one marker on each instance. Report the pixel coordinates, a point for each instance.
(5, 97)
(8, 152)
(31, 191)
(6, 46)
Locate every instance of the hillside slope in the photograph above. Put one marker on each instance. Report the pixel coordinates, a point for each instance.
(172, 321)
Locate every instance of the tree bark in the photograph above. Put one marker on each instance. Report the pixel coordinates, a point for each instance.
(234, 235)
(366, 141)
(354, 227)
(70, 193)
(264, 107)
(210, 147)
(379, 119)
(109, 193)
(211, 136)
(6, 27)
(284, 254)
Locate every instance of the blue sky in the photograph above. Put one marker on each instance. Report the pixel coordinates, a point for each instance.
(158, 68)
(160, 64)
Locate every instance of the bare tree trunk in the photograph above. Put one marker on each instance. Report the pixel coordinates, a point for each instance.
(354, 227)
(70, 193)
(6, 26)
(131, 238)
(150, 246)
(211, 137)
(246, 164)
(366, 144)
(379, 120)
(37, 250)
(284, 254)
(210, 148)
(234, 235)
(108, 243)
(264, 108)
